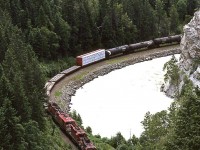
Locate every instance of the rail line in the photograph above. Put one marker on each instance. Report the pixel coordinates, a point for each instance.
(65, 122)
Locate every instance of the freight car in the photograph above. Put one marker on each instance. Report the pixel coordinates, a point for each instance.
(138, 46)
(91, 57)
(66, 123)
(49, 85)
(102, 54)
(117, 50)
(142, 45)
(70, 127)
(166, 40)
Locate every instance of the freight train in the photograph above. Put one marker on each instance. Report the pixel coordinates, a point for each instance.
(70, 127)
(65, 121)
(102, 54)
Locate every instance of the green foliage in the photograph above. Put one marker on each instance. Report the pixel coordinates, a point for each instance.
(51, 68)
(117, 140)
(44, 42)
(66, 28)
(182, 9)
(186, 126)
(178, 129)
(162, 23)
(88, 130)
(76, 116)
(156, 127)
(174, 21)
(172, 71)
(56, 30)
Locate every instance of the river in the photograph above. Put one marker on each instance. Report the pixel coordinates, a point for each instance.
(118, 101)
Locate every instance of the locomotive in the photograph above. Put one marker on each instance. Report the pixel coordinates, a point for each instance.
(70, 127)
(66, 123)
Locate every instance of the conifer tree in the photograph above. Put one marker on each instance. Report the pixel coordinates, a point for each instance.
(182, 9)
(162, 24)
(20, 67)
(174, 22)
(186, 127)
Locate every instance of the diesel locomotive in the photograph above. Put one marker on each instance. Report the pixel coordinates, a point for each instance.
(65, 122)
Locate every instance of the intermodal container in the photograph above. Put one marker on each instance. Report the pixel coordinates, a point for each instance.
(90, 58)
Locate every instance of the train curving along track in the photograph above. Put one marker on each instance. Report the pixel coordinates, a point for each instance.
(80, 74)
(125, 59)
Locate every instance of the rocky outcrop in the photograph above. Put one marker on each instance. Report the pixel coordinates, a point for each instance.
(189, 62)
(190, 44)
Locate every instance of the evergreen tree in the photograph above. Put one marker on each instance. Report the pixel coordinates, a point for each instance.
(191, 6)
(19, 66)
(161, 19)
(182, 9)
(147, 21)
(4, 136)
(5, 31)
(174, 22)
(186, 128)
(172, 74)
(156, 127)
(13, 66)
(117, 141)
(14, 131)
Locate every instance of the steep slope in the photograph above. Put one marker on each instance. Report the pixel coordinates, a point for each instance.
(189, 63)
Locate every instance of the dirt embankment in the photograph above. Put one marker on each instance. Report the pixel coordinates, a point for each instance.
(67, 87)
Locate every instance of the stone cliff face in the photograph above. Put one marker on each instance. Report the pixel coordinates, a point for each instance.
(190, 46)
(189, 62)
(190, 43)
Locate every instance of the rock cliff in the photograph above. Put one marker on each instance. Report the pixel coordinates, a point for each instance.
(189, 62)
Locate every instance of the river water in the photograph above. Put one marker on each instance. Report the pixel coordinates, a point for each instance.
(118, 101)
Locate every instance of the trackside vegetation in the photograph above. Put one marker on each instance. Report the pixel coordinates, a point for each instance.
(39, 38)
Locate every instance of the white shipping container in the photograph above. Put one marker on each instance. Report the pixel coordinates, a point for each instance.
(92, 57)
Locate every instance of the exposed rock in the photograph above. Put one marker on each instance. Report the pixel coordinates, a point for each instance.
(190, 43)
(190, 53)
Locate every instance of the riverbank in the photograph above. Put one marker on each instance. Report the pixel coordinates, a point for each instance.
(66, 88)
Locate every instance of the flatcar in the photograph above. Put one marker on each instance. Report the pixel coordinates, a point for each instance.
(65, 122)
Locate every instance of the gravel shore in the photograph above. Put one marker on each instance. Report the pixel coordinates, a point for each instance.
(70, 88)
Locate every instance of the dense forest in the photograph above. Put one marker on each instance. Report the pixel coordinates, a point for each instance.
(35, 33)
(63, 28)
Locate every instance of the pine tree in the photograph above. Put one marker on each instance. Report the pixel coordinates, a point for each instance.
(5, 31)
(15, 129)
(4, 136)
(174, 22)
(20, 67)
(186, 128)
(161, 19)
(182, 9)
(147, 21)
(156, 127)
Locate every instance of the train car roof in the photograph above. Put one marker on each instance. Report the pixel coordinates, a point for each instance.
(90, 53)
(66, 119)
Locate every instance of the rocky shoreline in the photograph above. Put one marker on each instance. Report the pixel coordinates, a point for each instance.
(69, 90)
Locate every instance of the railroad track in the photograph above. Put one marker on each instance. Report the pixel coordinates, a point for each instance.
(117, 60)
(77, 73)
